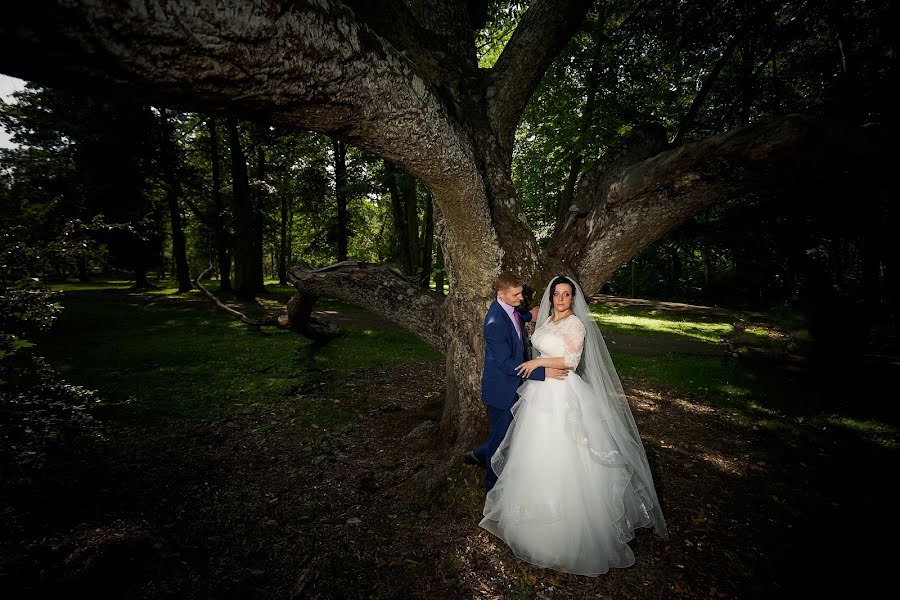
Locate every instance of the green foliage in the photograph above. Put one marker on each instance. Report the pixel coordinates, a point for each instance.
(40, 413)
(501, 23)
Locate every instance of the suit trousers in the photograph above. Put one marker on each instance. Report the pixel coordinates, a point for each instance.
(500, 419)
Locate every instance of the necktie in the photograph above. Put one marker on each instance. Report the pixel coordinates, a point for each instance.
(521, 333)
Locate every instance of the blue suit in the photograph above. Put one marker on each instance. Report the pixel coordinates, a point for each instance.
(503, 352)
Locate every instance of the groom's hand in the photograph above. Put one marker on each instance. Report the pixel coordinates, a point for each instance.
(552, 373)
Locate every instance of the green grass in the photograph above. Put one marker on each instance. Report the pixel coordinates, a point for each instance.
(111, 285)
(179, 362)
(646, 321)
(758, 398)
(188, 362)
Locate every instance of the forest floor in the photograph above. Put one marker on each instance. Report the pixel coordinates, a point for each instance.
(307, 496)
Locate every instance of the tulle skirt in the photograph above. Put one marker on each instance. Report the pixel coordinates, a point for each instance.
(565, 499)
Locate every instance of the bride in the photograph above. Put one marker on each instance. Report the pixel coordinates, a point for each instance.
(573, 480)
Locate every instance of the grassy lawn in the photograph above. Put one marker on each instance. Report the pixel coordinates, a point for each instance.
(159, 361)
(156, 361)
(764, 397)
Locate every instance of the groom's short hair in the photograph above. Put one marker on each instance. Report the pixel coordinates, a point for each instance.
(506, 280)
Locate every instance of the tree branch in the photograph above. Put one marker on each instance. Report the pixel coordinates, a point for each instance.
(688, 119)
(227, 309)
(381, 289)
(545, 28)
(621, 212)
(642, 143)
(316, 65)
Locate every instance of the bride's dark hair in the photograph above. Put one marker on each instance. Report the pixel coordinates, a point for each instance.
(561, 279)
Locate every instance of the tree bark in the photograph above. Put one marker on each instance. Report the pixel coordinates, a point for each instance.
(168, 160)
(258, 197)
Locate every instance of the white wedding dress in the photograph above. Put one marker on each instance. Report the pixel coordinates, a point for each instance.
(573, 483)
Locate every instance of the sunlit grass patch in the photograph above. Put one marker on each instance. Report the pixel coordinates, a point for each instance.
(159, 287)
(640, 321)
(114, 285)
(879, 433)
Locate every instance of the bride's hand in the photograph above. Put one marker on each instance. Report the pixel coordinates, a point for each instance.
(525, 369)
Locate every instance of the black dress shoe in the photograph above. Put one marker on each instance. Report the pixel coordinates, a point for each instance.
(470, 459)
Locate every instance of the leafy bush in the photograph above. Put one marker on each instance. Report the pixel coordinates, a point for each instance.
(40, 414)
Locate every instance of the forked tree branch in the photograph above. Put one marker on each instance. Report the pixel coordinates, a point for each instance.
(621, 211)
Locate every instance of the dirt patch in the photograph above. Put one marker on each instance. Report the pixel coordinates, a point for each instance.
(307, 497)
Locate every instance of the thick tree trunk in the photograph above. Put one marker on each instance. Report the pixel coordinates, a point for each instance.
(248, 277)
(220, 233)
(340, 193)
(168, 160)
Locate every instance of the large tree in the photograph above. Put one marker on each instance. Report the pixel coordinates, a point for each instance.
(401, 80)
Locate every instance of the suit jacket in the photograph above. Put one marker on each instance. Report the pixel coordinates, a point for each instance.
(503, 352)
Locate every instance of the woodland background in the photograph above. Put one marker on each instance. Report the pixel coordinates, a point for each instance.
(123, 391)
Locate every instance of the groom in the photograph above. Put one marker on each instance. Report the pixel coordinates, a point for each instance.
(506, 347)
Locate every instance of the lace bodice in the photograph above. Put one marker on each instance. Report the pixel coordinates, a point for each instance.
(564, 338)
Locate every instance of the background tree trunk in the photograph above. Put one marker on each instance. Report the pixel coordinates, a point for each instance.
(284, 247)
(258, 199)
(220, 234)
(439, 271)
(248, 278)
(340, 193)
(410, 205)
(168, 158)
(398, 212)
(427, 243)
